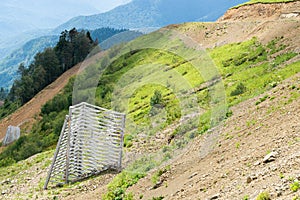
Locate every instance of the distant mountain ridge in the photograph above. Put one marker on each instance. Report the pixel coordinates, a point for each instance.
(153, 13)
(25, 54)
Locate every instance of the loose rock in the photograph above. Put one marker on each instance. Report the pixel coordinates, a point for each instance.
(216, 196)
(270, 157)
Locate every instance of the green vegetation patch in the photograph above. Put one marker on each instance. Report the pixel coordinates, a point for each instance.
(248, 68)
(295, 186)
(263, 196)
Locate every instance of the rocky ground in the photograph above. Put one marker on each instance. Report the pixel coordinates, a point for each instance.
(256, 150)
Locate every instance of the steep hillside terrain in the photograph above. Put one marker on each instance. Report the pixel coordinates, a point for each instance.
(226, 163)
(254, 150)
(263, 12)
(31, 110)
(28, 113)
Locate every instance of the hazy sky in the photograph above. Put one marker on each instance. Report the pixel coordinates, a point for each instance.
(22, 15)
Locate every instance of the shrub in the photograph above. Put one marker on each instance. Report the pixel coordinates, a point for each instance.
(6, 162)
(158, 198)
(263, 196)
(128, 141)
(296, 198)
(295, 186)
(155, 178)
(156, 99)
(246, 197)
(240, 89)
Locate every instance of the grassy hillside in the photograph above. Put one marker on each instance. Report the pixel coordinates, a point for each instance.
(172, 91)
(247, 69)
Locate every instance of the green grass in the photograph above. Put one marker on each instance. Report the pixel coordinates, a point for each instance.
(17, 168)
(250, 63)
(130, 176)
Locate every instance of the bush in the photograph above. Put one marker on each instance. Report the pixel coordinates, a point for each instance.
(240, 89)
(158, 198)
(263, 196)
(128, 141)
(156, 99)
(246, 197)
(6, 162)
(117, 188)
(295, 186)
(296, 198)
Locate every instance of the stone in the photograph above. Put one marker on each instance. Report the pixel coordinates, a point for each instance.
(216, 196)
(193, 175)
(256, 163)
(7, 181)
(157, 185)
(270, 157)
(249, 179)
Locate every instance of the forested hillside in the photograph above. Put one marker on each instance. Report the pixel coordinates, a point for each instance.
(72, 48)
(25, 55)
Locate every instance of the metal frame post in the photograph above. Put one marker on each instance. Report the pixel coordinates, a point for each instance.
(56, 152)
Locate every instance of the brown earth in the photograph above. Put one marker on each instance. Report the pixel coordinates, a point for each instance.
(263, 12)
(228, 162)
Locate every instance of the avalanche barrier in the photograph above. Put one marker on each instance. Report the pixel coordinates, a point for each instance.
(90, 142)
(12, 134)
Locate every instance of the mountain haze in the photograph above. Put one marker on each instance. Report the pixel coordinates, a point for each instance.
(25, 55)
(22, 21)
(153, 13)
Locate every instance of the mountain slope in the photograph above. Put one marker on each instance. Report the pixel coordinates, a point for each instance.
(29, 111)
(227, 162)
(217, 164)
(148, 13)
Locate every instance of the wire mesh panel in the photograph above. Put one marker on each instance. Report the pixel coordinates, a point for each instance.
(91, 141)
